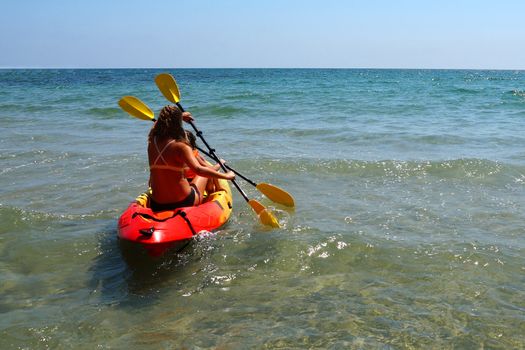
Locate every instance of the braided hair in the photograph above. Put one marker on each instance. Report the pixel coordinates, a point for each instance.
(169, 125)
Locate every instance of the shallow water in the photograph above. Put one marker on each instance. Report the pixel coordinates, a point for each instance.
(408, 230)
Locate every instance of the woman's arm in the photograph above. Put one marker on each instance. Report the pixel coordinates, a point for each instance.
(202, 170)
(203, 162)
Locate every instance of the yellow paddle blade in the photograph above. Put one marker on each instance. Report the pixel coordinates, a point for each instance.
(168, 86)
(256, 206)
(264, 215)
(136, 108)
(268, 219)
(276, 194)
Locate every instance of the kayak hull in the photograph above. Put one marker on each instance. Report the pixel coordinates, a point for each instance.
(158, 232)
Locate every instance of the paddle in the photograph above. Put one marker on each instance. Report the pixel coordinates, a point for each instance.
(136, 108)
(168, 87)
(274, 193)
(140, 110)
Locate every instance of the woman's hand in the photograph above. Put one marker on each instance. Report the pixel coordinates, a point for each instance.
(230, 175)
(217, 166)
(187, 117)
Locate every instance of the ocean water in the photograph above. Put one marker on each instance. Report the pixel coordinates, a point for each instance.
(408, 231)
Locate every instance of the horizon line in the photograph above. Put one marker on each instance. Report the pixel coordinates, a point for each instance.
(327, 68)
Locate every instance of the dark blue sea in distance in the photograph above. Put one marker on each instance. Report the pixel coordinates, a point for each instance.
(408, 232)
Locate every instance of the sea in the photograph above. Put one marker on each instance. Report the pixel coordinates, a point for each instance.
(408, 230)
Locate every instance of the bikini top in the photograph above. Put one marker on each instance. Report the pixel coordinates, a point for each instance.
(164, 166)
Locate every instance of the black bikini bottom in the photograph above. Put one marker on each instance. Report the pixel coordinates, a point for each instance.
(186, 202)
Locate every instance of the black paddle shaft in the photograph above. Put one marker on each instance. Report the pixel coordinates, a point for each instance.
(229, 168)
(213, 154)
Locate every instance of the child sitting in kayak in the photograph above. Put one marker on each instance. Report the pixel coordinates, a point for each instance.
(213, 183)
(168, 153)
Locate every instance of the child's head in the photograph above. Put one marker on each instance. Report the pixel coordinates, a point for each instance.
(191, 139)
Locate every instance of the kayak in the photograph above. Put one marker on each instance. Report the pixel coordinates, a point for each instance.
(158, 232)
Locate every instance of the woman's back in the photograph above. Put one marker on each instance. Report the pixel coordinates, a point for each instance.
(167, 179)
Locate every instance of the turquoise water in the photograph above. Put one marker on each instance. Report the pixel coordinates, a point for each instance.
(408, 230)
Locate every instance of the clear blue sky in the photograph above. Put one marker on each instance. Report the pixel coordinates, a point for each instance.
(271, 33)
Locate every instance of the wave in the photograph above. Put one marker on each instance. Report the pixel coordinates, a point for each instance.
(9, 106)
(467, 91)
(108, 112)
(513, 99)
(26, 108)
(466, 168)
(337, 136)
(494, 76)
(15, 218)
(441, 139)
(501, 78)
(517, 93)
(219, 110)
(247, 96)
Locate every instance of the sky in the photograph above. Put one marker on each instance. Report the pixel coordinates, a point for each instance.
(462, 34)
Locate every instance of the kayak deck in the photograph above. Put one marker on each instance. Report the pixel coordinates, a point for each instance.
(158, 232)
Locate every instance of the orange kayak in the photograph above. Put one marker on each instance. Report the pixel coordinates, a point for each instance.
(158, 232)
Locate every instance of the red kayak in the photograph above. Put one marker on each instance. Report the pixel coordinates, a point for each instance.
(158, 232)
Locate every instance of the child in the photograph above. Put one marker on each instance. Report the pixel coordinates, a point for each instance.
(213, 183)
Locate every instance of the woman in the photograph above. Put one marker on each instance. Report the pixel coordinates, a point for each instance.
(168, 153)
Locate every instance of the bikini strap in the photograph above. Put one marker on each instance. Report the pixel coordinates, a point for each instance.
(166, 167)
(159, 152)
